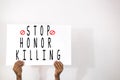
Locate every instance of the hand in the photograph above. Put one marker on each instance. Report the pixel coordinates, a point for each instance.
(58, 68)
(18, 68)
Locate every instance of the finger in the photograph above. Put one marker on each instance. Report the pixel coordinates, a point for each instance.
(21, 63)
(16, 67)
(17, 62)
(18, 71)
(58, 65)
(55, 64)
(61, 64)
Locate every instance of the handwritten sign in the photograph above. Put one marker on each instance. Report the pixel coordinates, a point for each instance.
(38, 44)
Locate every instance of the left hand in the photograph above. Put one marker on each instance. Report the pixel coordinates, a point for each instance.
(18, 68)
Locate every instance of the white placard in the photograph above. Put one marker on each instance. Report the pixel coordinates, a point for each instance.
(38, 44)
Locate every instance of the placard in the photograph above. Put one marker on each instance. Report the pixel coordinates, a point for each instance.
(38, 44)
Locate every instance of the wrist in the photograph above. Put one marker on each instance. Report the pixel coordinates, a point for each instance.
(19, 77)
(57, 76)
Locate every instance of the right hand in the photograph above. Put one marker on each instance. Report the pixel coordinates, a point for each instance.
(58, 68)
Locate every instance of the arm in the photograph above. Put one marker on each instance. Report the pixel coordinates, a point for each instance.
(18, 69)
(58, 69)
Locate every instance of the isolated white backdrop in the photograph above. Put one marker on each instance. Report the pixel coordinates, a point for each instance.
(95, 36)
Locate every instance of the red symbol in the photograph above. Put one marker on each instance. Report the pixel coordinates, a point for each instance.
(52, 32)
(22, 32)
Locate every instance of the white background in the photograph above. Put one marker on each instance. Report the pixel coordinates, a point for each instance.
(95, 36)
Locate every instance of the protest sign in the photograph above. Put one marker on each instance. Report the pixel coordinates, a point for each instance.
(38, 44)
